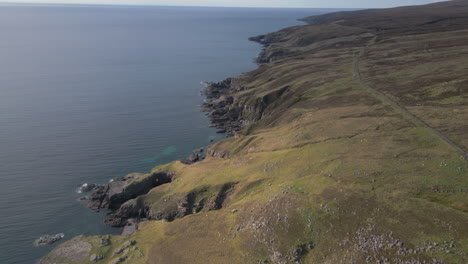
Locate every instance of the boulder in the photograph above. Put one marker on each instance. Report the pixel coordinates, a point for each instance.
(86, 187)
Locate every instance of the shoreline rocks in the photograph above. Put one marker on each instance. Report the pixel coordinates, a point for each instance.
(221, 108)
(197, 155)
(191, 159)
(48, 240)
(86, 187)
(115, 193)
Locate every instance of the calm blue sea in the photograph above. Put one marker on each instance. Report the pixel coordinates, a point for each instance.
(89, 93)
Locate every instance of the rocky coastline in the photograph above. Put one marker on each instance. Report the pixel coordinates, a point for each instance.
(221, 107)
(318, 169)
(225, 112)
(120, 195)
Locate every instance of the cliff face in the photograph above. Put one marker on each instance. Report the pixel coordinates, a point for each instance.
(349, 147)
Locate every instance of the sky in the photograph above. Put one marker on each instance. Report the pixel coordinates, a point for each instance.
(246, 3)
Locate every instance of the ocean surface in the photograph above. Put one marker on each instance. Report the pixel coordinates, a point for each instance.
(90, 93)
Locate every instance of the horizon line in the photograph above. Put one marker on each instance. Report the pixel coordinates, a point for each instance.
(155, 5)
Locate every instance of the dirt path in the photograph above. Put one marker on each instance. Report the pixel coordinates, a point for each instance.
(381, 96)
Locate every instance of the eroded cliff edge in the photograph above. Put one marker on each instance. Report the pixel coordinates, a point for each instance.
(326, 165)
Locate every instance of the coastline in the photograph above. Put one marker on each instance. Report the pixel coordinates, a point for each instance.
(120, 195)
(125, 120)
(315, 169)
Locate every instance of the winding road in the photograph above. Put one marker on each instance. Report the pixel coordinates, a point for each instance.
(381, 96)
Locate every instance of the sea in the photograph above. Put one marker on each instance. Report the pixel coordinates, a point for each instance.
(89, 93)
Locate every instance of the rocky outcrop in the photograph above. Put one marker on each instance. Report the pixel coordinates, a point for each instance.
(120, 190)
(221, 106)
(207, 198)
(218, 153)
(86, 187)
(47, 240)
(133, 209)
(228, 114)
(269, 53)
(191, 159)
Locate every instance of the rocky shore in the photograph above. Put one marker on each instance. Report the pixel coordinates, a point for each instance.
(319, 168)
(222, 108)
(226, 113)
(119, 194)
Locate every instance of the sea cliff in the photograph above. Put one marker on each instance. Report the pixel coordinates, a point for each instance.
(348, 146)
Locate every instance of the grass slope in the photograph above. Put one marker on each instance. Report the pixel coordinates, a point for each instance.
(329, 173)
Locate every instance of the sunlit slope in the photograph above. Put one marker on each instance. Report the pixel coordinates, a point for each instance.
(328, 171)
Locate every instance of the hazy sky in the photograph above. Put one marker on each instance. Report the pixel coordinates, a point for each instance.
(246, 3)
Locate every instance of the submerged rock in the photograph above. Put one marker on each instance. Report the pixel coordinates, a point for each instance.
(47, 240)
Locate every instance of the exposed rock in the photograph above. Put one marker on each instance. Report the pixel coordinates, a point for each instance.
(118, 251)
(130, 227)
(218, 153)
(129, 243)
(129, 210)
(299, 252)
(47, 240)
(221, 107)
(118, 260)
(86, 187)
(140, 254)
(178, 207)
(75, 250)
(96, 258)
(200, 150)
(105, 241)
(120, 190)
(191, 159)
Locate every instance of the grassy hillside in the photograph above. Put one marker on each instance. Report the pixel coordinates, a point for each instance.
(353, 152)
